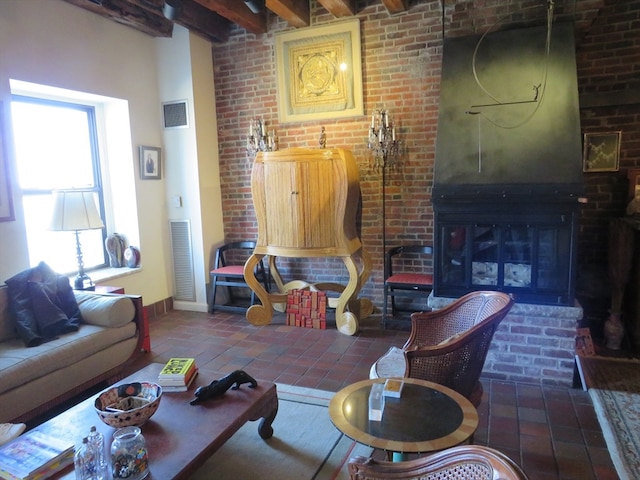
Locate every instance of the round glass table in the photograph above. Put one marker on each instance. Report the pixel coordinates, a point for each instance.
(426, 418)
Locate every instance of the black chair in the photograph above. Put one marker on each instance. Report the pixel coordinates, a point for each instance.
(401, 278)
(229, 272)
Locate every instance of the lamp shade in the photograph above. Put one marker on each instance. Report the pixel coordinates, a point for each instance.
(75, 210)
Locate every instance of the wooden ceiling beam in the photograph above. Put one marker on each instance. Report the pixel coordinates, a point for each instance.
(204, 22)
(238, 12)
(395, 6)
(129, 13)
(339, 8)
(296, 13)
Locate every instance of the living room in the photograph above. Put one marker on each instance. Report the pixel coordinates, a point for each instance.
(54, 55)
(56, 44)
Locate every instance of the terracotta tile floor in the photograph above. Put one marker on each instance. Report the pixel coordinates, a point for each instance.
(552, 432)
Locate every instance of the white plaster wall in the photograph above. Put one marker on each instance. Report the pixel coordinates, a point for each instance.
(54, 43)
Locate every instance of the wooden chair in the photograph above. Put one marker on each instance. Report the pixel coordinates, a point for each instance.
(405, 281)
(467, 462)
(449, 346)
(229, 272)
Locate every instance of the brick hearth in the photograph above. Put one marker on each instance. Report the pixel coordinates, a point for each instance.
(533, 344)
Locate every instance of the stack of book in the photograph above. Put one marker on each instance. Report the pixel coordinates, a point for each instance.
(34, 455)
(177, 374)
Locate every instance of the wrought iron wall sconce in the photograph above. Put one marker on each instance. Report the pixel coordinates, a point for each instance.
(386, 155)
(382, 141)
(259, 140)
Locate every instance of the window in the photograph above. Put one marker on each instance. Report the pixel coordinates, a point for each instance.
(56, 149)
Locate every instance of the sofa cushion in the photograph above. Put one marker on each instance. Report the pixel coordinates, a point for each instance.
(19, 365)
(105, 310)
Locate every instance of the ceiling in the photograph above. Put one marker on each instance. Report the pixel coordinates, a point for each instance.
(213, 19)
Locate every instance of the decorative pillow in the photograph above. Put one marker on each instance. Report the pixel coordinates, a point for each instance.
(20, 307)
(43, 304)
(105, 310)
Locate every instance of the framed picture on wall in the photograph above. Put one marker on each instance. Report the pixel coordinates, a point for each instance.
(319, 72)
(601, 152)
(633, 175)
(150, 163)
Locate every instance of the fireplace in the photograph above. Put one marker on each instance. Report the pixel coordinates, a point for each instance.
(508, 169)
(517, 245)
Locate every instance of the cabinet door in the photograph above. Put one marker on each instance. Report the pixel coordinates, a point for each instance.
(300, 204)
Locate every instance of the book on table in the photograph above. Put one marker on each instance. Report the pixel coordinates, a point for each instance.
(177, 369)
(34, 456)
(181, 386)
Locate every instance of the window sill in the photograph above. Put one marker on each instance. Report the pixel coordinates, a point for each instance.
(105, 274)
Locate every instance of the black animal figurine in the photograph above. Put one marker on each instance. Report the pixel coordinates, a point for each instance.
(218, 387)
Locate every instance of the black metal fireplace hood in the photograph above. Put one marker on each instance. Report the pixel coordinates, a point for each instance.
(508, 169)
(509, 120)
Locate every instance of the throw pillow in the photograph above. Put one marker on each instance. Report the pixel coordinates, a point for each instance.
(43, 304)
(20, 307)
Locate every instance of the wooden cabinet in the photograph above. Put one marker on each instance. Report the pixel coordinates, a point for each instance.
(306, 202)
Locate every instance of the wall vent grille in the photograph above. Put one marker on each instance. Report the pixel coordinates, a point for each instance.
(184, 283)
(175, 114)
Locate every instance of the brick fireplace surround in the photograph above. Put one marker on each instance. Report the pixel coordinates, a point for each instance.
(533, 344)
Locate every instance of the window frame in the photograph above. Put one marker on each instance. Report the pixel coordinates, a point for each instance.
(97, 187)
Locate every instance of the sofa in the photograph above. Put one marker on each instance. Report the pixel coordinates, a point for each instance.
(33, 379)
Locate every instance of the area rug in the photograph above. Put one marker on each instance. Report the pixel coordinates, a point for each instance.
(305, 444)
(614, 387)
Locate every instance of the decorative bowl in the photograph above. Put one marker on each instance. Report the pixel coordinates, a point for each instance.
(130, 404)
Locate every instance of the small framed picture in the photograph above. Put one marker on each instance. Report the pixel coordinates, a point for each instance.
(601, 152)
(150, 163)
(633, 175)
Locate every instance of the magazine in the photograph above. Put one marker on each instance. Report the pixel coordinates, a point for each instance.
(34, 455)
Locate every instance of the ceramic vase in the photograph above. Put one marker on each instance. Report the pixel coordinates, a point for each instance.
(129, 458)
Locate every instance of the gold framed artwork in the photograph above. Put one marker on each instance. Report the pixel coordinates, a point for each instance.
(601, 152)
(6, 200)
(319, 72)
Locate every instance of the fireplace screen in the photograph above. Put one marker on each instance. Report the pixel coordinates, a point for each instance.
(532, 261)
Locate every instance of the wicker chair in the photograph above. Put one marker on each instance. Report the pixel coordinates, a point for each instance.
(467, 462)
(449, 346)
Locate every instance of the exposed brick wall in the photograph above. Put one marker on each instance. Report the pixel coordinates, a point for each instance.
(608, 62)
(401, 59)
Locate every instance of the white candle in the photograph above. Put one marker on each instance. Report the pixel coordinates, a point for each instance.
(251, 129)
(393, 134)
(373, 123)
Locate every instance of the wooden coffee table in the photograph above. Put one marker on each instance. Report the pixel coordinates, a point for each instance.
(428, 417)
(180, 437)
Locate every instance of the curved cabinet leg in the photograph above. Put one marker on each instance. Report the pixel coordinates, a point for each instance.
(366, 306)
(347, 322)
(257, 314)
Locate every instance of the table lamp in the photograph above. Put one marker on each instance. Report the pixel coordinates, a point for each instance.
(75, 210)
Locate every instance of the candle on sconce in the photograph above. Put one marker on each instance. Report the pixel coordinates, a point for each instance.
(393, 134)
(251, 129)
(386, 119)
(373, 121)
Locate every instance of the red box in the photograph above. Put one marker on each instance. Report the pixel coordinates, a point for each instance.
(307, 309)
